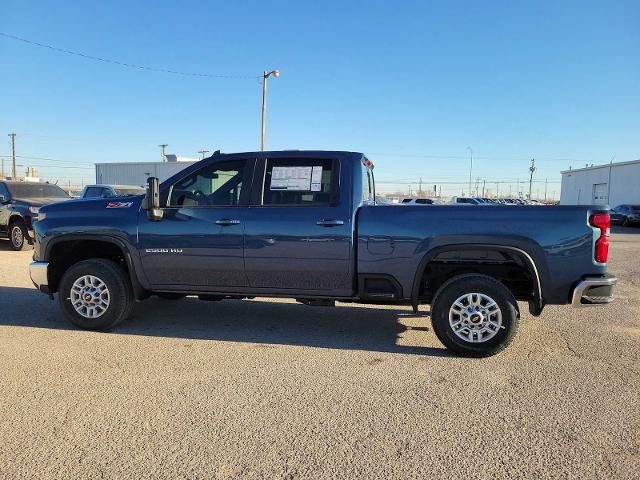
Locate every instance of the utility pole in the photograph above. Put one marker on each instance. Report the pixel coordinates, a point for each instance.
(202, 152)
(477, 185)
(163, 146)
(470, 167)
(265, 76)
(484, 183)
(420, 188)
(532, 169)
(13, 154)
(545, 189)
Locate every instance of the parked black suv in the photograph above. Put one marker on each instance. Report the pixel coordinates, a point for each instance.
(19, 205)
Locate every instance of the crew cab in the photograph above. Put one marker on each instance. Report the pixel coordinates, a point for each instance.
(305, 225)
(19, 206)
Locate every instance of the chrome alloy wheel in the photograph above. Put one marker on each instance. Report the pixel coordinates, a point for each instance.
(17, 237)
(475, 317)
(90, 296)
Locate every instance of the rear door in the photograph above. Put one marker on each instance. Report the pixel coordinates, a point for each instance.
(298, 232)
(199, 242)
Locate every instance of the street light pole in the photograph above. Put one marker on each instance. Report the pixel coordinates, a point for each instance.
(265, 76)
(532, 169)
(13, 154)
(470, 167)
(202, 152)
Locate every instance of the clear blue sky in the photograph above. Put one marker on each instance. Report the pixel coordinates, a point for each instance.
(411, 83)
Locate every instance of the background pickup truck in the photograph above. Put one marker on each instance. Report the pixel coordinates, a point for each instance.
(305, 225)
(19, 205)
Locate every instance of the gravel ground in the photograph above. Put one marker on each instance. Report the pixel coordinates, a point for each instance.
(272, 389)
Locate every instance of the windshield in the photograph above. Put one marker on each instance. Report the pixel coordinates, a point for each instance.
(36, 190)
(123, 192)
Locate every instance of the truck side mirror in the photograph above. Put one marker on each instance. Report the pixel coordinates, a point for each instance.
(152, 200)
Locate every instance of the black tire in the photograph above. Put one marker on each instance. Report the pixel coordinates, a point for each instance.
(117, 281)
(170, 296)
(455, 288)
(625, 222)
(18, 236)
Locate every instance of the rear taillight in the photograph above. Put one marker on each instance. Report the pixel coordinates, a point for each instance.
(603, 222)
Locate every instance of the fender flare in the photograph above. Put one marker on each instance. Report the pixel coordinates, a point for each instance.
(139, 290)
(535, 306)
(13, 215)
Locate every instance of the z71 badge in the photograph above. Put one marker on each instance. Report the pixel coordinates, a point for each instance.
(119, 204)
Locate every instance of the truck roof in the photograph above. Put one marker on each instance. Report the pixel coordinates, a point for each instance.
(292, 153)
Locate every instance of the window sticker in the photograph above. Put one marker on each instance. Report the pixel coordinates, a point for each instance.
(291, 178)
(316, 179)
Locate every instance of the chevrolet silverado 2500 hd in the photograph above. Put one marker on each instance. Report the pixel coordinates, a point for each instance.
(305, 225)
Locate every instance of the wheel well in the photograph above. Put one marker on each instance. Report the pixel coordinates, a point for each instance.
(65, 254)
(13, 218)
(508, 267)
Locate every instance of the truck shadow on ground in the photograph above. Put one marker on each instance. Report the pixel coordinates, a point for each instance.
(257, 321)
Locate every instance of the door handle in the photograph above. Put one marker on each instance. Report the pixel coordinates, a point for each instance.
(329, 222)
(225, 222)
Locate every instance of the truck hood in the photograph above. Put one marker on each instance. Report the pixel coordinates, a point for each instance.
(103, 208)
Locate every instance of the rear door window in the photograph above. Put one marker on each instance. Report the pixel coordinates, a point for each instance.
(299, 182)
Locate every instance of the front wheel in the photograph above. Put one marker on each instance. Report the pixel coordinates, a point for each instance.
(474, 315)
(18, 236)
(96, 294)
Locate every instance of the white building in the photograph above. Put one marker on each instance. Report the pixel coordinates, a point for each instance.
(136, 173)
(611, 184)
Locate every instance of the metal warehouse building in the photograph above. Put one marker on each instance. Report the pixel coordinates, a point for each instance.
(612, 184)
(136, 173)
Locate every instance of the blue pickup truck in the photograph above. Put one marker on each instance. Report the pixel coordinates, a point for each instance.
(305, 225)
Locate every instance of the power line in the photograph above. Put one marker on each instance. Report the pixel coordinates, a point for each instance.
(124, 64)
(27, 157)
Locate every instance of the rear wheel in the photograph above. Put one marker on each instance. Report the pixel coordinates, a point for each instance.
(18, 236)
(96, 294)
(475, 315)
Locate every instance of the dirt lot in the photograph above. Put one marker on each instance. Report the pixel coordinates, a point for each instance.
(272, 389)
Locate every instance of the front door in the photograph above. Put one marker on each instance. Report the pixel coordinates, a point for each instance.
(199, 242)
(298, 233)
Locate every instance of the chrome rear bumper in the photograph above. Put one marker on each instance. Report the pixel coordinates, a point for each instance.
(593, 291)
